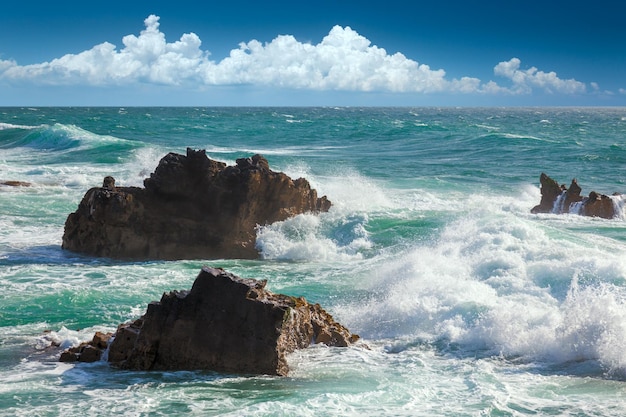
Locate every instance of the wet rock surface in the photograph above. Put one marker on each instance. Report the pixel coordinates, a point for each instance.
(191, 207)
(224, 323)
(560, 199)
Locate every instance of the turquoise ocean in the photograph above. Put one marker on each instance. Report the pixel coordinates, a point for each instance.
(470, 305)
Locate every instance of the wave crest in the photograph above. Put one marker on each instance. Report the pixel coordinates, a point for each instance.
(309, 237)
(503, 285)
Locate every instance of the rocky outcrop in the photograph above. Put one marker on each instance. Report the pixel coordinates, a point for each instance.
(224, 323)
(550, 191)
(13, 183)
(560, 199)
(91, 351)
(191, 207)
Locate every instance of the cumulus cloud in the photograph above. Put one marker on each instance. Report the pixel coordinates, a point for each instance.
(147, 58)
(5, 65)
(525, 80)
(344, 60)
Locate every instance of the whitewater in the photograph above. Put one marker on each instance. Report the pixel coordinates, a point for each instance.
(469, 304)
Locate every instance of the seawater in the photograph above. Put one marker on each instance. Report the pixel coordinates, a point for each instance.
(469, 304)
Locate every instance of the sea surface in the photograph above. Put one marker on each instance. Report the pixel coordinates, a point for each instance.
(470, 305)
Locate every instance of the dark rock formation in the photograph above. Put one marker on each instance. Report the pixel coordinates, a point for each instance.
(13, 183)
(572, 195)
(550, 191)
(224, 323)
(559, 199)
(192, 207)
(88, 352)
(599, 205)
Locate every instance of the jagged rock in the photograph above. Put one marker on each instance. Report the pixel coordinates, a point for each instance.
(558, 199)
(191, 207)
(572, 195)
(599, 205)
(108, 183)
(550, 191)
(91, 351)
(224, 323)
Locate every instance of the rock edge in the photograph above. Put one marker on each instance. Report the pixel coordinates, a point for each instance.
(559, 199)
(191, 207)
(224, 323)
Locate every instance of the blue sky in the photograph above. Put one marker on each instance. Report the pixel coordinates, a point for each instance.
(453, 53)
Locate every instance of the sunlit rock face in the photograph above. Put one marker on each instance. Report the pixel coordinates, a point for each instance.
(224, 323)
(558, 199)
(192, 207)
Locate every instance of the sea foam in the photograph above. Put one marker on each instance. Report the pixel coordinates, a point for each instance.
(504, 285)
(5, 126)
(323, 237)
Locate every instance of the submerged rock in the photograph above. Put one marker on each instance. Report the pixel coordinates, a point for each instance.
(224, 323)
(560, 199)
(13, 183)
(192, 207)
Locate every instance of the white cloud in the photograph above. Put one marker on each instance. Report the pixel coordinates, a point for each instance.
(343, 61)
(5, 65)
(525, 80)
(147, 58)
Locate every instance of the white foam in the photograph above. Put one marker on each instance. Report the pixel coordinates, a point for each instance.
(5, 126)
(304, 237)
(593, 324)
(219, 149)
(64, 338)
(143, 163)
(348, 190)
(619, 206)
(504, 284)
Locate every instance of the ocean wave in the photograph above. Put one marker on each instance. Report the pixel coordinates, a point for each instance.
(6, 126)
(499, 136)
(60, 137)
(46, 138)
(65, 155)
(348, 189)
(504, 285)
(278, 151)
(309, 237)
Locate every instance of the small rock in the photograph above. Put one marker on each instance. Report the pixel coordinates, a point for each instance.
(556, 199)
(109, 183)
